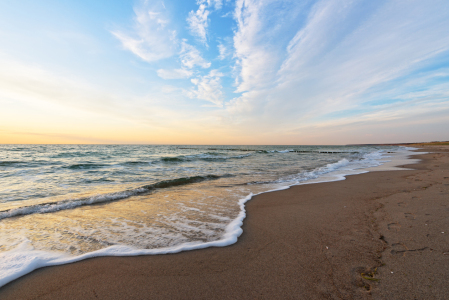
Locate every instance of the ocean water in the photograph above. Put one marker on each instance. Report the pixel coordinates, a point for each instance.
(63, 203)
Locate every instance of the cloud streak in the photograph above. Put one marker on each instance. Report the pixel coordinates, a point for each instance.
(36, 86)
(199, 20)
(191, 57)
(152, 38)
(198, 23)
(174, 74)
(336, 61)
(208, 88)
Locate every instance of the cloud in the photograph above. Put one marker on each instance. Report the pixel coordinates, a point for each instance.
(226, 15)
(27, 82)
(152, 38)
(174, 74)
(257, 59)
(190, 57)
(216, 3)
(342, 55)
(223, 51)
(35, 86)
(198, 23)
(198, 20)
(208, 88)
(345, 63)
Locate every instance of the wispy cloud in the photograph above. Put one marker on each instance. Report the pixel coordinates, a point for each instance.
(174, 74)
(33, 85)
(256, 57)
(191, 57)
(25, 82)
(152, 38)
(216, 3)
(198, 23)
(377, 50)
(223, 51)
(336, 60)
(208, 88)
(198, 20)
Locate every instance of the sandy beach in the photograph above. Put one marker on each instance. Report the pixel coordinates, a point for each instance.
(378, 235)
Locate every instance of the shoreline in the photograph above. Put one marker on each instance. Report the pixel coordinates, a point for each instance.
(310, 241)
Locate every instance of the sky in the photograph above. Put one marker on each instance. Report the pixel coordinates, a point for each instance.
(291, 72)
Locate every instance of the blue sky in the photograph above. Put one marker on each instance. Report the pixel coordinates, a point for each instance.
(224, 72)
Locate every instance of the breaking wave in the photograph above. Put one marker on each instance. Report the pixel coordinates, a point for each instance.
(102, 198)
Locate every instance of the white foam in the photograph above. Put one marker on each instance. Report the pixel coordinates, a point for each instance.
(396, 158)
(69, 204)
(284, 151)
(23, 259)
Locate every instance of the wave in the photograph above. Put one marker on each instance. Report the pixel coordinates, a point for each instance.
(102, 198)
(135, 163)
(203, 156)
(368, 160)
(11, 163)
(86, 166)
(308, 175)
(78, 154)
(29, 164)
(172, 159)
(275, 151)
(24, 259)
(15, 149)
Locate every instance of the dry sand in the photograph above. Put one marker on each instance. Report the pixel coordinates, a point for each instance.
(380, 235)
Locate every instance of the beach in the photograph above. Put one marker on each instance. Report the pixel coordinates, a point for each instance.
(378, 235)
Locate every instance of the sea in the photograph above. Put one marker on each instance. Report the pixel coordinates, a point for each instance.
(64, 203)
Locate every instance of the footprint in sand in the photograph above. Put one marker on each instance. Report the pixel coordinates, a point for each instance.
(409, 216)
(394, 226)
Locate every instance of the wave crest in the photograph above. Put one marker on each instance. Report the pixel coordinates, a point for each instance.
(102, 198)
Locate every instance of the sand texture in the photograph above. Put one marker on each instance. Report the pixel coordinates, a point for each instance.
(377, 235)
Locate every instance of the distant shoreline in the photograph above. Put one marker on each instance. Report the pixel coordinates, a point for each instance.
(415, 144)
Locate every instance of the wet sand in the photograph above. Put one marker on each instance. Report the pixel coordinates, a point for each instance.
(379, 235)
